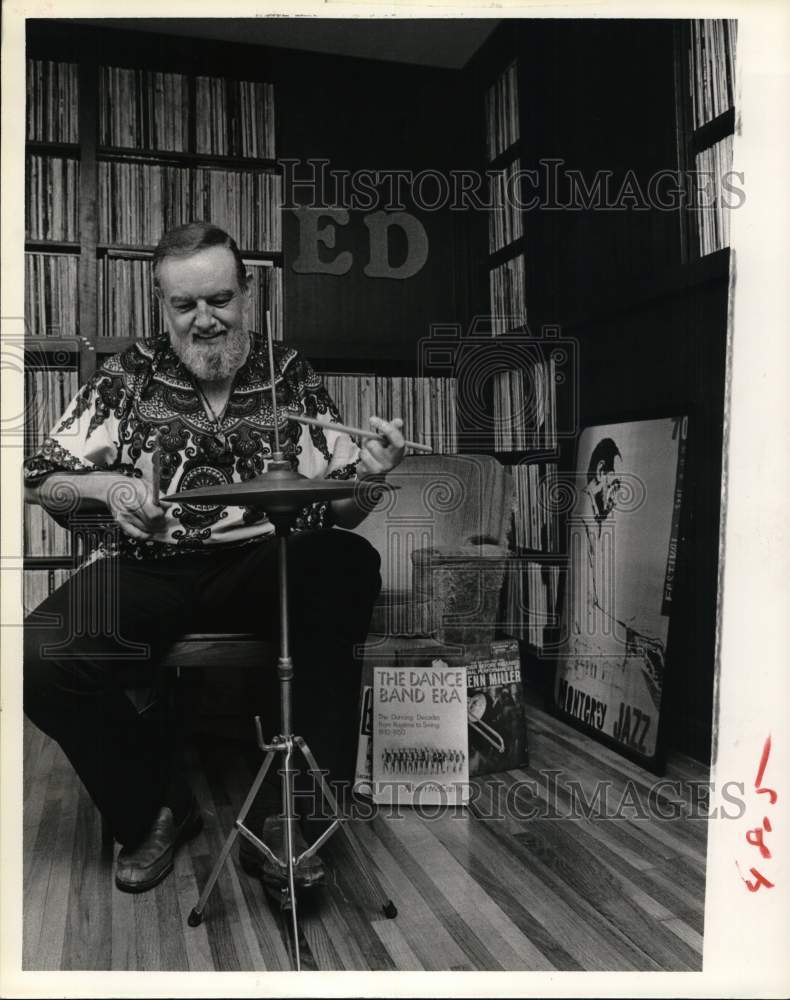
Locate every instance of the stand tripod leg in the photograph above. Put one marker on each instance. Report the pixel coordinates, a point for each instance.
(290, 819)
(196, 915)
(388, 907)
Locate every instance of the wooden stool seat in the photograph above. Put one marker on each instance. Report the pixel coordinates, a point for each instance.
(230, 649)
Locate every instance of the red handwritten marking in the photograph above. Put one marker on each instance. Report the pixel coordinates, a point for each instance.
(759, 880)
(761, 772)
(755, 838)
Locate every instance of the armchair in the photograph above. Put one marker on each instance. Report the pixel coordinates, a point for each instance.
(442, 535)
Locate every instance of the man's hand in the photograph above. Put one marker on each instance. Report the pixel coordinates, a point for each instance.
(378, 457)
(130, 501)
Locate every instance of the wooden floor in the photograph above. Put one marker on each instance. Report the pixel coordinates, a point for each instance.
(557, 892)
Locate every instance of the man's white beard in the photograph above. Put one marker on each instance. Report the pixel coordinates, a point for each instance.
(214, 360)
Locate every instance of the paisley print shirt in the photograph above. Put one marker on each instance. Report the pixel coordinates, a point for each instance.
(144, 398)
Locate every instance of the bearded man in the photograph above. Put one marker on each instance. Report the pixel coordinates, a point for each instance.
(193, 408)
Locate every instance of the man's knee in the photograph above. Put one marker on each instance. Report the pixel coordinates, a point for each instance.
(39, 671)
(337, 551)
(51, 667)
(336, 578)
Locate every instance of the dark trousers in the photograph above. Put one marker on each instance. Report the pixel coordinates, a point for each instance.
(113, 620)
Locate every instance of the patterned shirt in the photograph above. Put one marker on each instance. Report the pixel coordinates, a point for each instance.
(144, 398)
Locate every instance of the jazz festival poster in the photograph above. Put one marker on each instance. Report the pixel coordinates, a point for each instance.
(623, 535)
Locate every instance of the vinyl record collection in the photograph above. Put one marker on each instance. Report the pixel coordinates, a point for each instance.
(51, 187)
(712, 208)
(531, 590)
(140, 201)
(47, 394)
(504, 222)
(525, 407)
(508, 296)
(244, 202)
(126, 302)
(141, 109)
(535, 523)
(234, 118)
(426, 405)
(712, 68)
(52, 101)
(267, 293)
(50, 294)
(501, 109)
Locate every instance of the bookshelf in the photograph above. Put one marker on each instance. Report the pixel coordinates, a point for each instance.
(115, 154)
(524, 389)
(705, 98)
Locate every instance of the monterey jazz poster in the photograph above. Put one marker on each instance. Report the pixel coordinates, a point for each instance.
(623, 547)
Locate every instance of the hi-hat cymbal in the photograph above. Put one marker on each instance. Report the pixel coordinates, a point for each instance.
(278, 490)
(261, 492)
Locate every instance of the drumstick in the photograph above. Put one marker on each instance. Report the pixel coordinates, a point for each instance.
(271, 382)
(355, 431)
(155, 473)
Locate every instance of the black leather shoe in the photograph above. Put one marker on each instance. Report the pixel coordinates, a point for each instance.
(307, 875)
(144, 866)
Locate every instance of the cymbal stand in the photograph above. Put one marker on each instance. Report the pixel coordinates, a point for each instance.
(286, 744)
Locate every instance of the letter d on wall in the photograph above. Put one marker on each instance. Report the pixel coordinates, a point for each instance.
(378, 224)
(309, 261)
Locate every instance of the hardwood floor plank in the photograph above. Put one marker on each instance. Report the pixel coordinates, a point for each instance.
(318, 921)
(451, 873)
(594, 941)
(65, 786)
(687, 934)
(429, 939)
(268, 937)
(398, 948)
(37, 883)
(537, 950)
(657, 833)
(605, 890)
(38, 761)
(553, 928)
(406, 853)
(607, 765)
(554, 843)
(147, 933)
(216, 918)
(684, 874)
(172, 930)
(656, 896)
(618, 832)
(86, 944)
(123, 940)
(196, 942)
(358, 908)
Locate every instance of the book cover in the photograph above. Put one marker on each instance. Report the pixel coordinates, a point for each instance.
(495, 710)
(496, 714)
(419, 733)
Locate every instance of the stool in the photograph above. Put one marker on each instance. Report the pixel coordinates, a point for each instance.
(203, 649)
